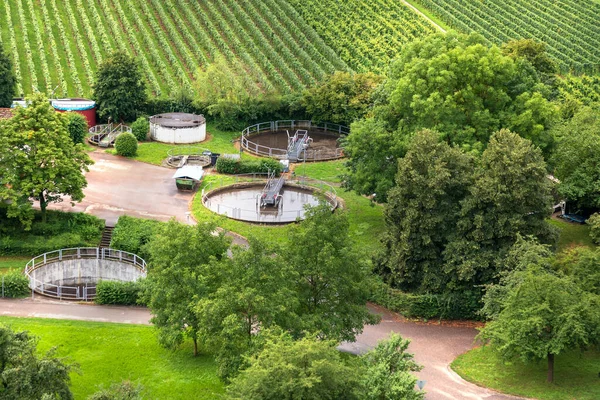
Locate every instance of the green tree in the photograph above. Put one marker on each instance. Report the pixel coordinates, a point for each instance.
(39, 159)
(387, 371)
(126, 145)
(140, 128)
(26, 376)
(453, 84)
(594, 223)
(119, 391)
(541, 315)
(510, 196)
(575, 159)
(535, 53)
(582, 264)
(308, 369)
(341, 98)
(179, 258)
(7, 79)
(119, 88)
(77, 127)
(332, 282)
(422, 212)
(251, 291)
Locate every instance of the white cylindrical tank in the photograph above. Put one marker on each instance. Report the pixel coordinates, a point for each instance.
(178, 128)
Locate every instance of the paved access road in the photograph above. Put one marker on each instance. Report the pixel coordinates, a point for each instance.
(434, 346)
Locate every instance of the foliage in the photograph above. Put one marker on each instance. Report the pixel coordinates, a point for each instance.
(7, 79)
(594, 223)
(24, 375)
(422, 212)
(140, 128)
(342, 98)
(121, 293)
(307, 369)
(119, 88)
(332, 280)
(538, 314)
(571, 234)
(108, 352)
(263, 165)
(61, 230)
(582, 264)
(39, 160)
(126, 145)
(77, 127)
(453, 84)
(132, 234)
(387, 371)
(122, 391)
(179, 258)
(15, 284)
(576, 159)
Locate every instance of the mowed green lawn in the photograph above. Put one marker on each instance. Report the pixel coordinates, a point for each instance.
(572, 234)
(575, 375)
(108, 353)
(9, 263)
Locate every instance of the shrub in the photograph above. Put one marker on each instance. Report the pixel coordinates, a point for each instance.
(594, 223)
(15, 284)
(126, 145)
(77, 127)
(121, 293)
(132, 234)
(140, 128)
(264, 165)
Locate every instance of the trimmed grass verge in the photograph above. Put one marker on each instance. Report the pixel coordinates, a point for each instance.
(572, 234)
(10, 263)
(108, 353)
(328, 171)
(575, 375)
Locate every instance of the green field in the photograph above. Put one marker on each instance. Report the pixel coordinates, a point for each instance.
(108, 353)
(575, 375)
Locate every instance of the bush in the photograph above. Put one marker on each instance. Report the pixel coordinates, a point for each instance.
(132, 234)
(594, 223)
(15, 284)
(77, 127)
(126, 145)
(140, 128)
(264, 165)
(121, 293)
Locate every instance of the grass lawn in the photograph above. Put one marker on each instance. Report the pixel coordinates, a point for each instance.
(575, 375)
(108, 353)
(572, 234)
(10, 263)
(328, 171)
(366, 219)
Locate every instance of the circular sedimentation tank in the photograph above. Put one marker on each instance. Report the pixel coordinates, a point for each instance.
(178, 128)
(241, 201)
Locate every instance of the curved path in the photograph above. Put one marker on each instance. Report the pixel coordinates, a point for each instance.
(434, 346)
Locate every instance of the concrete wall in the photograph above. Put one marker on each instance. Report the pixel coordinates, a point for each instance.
(78, 271)
(178, 135)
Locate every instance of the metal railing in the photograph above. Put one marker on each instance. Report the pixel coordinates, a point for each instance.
(273, 126)
(76, 292)
(105, 135)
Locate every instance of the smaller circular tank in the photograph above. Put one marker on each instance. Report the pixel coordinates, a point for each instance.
(178, 128)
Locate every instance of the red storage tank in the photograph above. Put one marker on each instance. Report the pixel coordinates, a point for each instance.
(85, 107)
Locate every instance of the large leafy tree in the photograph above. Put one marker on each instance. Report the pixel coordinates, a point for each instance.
(119, 88)
(25, 375)
(39, 159)
(7, 79)
(456, 85)
(179, 261)
(332, 281)
(341, 98)
(537, 314)
(575, 159)
(250, 291)
(423, 210)
(510, 196)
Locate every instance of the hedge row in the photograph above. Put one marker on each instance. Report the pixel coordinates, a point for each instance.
(120, 293)
(15, 284)
(264, 165)
(453, 306)
(132, 234)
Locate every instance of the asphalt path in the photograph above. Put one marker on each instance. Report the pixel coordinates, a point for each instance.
(433, 345)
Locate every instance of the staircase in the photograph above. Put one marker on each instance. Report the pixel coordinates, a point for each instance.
(106, 237)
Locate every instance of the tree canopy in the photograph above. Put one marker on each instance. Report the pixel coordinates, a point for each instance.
(457, 86)
(119, 88)
(39, 159)
(7, 79)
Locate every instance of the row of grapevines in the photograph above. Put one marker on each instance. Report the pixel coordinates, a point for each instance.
(78, 39)
(88, 29)
(61, 89)
(584, 88)
(41, 48)
(27, 47)
(14, 48)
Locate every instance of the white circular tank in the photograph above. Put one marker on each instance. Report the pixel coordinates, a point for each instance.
(178, 128)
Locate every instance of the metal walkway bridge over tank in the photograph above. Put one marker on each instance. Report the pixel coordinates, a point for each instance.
(271, 193)
(297, 145)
